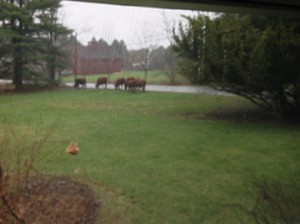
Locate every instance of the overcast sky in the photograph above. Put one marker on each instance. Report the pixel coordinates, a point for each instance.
(131, 24)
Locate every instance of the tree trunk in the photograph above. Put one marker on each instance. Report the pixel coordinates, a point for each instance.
(18, 66)
(146, 74)
(52, 68)
(18, 52)
(282, 107)
(18, 75)
(52, 58)
(172, 78)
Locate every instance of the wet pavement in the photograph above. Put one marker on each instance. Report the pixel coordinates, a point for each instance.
(166, 88)
(161, 88)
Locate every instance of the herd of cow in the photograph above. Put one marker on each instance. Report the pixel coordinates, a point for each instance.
(131, 84)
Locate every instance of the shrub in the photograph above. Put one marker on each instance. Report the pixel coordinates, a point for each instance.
(27, 195)
(275, 202)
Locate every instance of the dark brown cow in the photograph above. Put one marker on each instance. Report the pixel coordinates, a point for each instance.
(101, 81)
(80, 81)
(140, 84)
(129, 81)
(119, 83)
(131, 85)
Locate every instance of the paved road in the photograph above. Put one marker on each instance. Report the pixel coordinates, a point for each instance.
(166, 88)
(162, 88)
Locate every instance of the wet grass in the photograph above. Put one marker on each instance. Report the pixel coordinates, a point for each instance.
(159, 157)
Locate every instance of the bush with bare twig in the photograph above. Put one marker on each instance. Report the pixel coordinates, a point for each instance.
(28, 196)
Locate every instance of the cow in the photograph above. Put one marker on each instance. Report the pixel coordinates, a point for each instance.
(119, 83)
(80, 81)
(129, 80)
(131, 85)
(101, 81)
(140, 84)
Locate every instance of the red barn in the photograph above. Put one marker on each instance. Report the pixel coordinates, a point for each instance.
(96, 58)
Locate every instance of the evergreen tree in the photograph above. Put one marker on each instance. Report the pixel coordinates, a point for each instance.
(119, 50)
(189, 43)
(256, 57)
(28, 29)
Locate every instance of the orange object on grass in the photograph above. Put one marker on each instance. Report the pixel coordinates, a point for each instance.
(72, 148)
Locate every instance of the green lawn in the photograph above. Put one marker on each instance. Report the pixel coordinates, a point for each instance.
(157, 157)
(153, 77)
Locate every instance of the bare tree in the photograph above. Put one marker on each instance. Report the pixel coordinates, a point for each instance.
(170, 55)
(147, 43)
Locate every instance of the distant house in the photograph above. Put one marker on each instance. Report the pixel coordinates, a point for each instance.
(95, 58)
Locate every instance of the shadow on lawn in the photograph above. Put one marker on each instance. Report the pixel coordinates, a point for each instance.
(239, 115)
(231, 114)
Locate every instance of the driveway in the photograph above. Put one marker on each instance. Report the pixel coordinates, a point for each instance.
(174, 89)
(162, 88)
